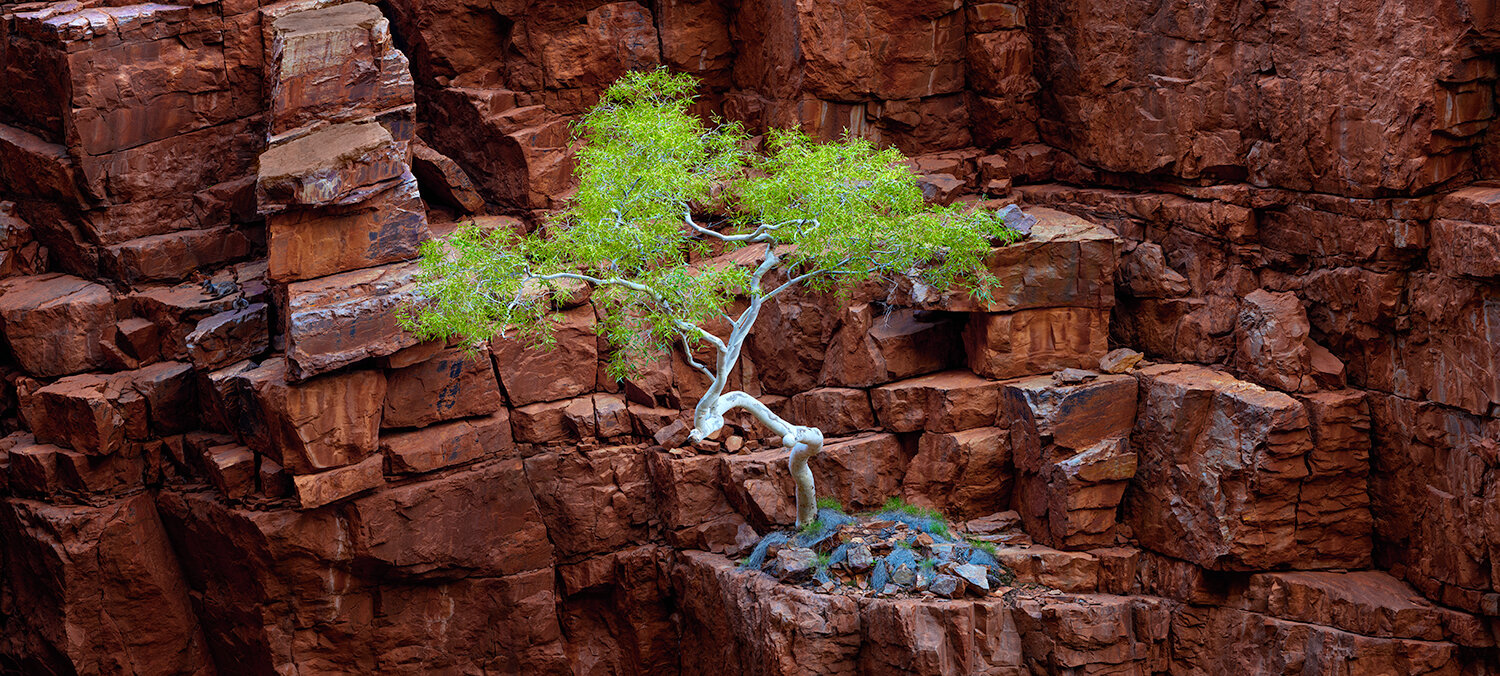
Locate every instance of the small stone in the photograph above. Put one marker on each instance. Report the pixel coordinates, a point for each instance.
(734, 444)
(904, 576)
(839, 556)
(972, 574)
(707, 446)
(822, 581)
(924, 579)
(860, 558)
(673, 435)
(1073, 376)
(1120, 360)
(1017, 220)
(947, 586)
(794, 564)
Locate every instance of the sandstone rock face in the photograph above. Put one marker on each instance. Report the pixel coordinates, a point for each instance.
(1071, 480)
(1215, 450)
(120, 603)
(220, 454)
(776, 629)
(532, 375)
(1198, 122)
(450, 385)
(54, 324)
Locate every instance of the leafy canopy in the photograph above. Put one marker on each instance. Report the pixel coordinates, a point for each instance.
(848, 211)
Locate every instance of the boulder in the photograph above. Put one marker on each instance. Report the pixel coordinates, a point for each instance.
(54, 323)
(387, 227)
(337, 320)
(745, 618)
(446, 444)
(1271, 340)
(97, 414)
(1066, 262)
(231, 470)
(942, 402)
(176, 255)
(452, 384)
(333, 64)
(229, 336)
(1037, 341)
(1075, 417)
(835, 410)
(333, 485)
(317, 424)
(551, 422)
(1144, 271)
(1226, 640)
(338, 165)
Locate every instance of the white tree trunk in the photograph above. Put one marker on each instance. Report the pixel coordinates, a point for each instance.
(708, 417)
(804, 442)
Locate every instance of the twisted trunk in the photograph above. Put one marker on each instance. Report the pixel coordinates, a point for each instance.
(804, 442)
(708, 416)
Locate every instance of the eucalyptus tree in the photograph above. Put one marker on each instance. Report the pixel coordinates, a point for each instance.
(819, 215)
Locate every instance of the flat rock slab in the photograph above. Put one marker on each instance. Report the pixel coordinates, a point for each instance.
(341, 164)
(332, 65)
(54, 323)
(1066, 262)
(340, 319)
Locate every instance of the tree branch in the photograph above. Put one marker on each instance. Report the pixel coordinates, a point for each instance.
(636, 286)
(762, 232)
(687, 352)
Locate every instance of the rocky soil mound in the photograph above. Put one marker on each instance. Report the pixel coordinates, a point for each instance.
(900, 550)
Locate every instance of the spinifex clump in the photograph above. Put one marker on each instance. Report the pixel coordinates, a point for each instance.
(898, 549)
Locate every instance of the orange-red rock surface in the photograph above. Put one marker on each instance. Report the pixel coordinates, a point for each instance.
(219, 452)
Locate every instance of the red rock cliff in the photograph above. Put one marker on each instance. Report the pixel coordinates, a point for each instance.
(222, 455)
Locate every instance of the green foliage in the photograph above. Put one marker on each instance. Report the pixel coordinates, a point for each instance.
(986, 547)
(830, 502)
(939, 523)
(896, 504)
(927, 564)
(848, 211)
(811, 528)
(821, 560)
(855, 210)
(904, 544)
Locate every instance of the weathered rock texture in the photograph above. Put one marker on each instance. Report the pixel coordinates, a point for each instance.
(219, 452)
